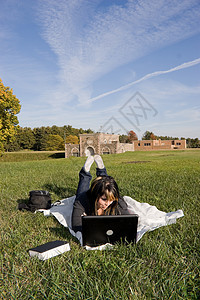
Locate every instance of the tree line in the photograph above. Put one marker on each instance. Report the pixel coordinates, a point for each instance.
(44, 138)
(54, 138)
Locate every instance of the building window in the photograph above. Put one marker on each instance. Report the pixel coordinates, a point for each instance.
(89, 151)
(105, 141)
(139, 144)
(147, 144)
(178, 144)
(75, 152)
(106, 150)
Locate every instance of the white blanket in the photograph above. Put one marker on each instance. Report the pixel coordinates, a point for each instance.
(150, 217)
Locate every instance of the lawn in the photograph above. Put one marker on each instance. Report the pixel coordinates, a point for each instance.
(163, 265)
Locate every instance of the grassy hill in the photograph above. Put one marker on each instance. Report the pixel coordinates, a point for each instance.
(30, 155)
(163, 265)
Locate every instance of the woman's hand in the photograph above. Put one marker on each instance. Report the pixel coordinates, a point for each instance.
(100, 212)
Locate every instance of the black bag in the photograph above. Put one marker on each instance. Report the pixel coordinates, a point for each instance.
(37, 200)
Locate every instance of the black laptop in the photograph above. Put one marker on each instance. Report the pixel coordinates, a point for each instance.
(99, 230)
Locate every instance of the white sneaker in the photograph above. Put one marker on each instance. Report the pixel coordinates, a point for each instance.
(99, 161)
(89, 161)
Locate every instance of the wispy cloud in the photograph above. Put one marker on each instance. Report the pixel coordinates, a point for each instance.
(148, 76)
(184, 114)
(91, 40)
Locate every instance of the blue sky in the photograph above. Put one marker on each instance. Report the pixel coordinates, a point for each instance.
(111, 66)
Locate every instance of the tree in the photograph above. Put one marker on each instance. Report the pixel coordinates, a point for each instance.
(9, 108)
(123, 138)
(71, 139)
(152, 136)
(57, 130)
(41, 134)
(25, 138)
(147, 135)
(193, 143)
(132, 136)
(12, 146)
(54, 142)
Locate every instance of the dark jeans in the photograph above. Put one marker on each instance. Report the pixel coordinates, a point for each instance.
(85, 178)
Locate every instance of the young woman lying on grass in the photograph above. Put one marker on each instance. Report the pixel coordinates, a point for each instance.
(102, 198)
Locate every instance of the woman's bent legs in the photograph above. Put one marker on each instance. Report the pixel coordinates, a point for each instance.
(101, 172)
(85, 178)
(84, 181)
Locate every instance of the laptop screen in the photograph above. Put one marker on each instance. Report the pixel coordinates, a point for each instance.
(99, 230)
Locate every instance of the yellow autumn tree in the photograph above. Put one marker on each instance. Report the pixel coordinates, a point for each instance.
(9, 108)
(71, 139)
(54, 142)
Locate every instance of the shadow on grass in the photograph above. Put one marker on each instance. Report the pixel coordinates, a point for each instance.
(137, 162)
(64, 233)
(23, 204)
(58, 155)
(61, 192)
(23, 200)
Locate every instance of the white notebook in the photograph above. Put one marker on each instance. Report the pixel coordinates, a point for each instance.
(49, 249)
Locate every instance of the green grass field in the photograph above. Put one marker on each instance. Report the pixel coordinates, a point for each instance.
(163, 265)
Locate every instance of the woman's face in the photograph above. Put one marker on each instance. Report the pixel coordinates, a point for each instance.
(103, 202)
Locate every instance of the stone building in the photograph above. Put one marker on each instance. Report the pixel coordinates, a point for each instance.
(97, 143)
(102, 143)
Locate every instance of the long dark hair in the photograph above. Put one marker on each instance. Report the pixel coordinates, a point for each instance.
(100, 186)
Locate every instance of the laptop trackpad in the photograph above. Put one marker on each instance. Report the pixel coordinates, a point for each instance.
(109, 232)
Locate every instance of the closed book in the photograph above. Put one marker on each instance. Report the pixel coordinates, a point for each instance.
(49, 249)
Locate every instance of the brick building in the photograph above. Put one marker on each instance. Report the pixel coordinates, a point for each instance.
(102, 143)
(159, 145)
